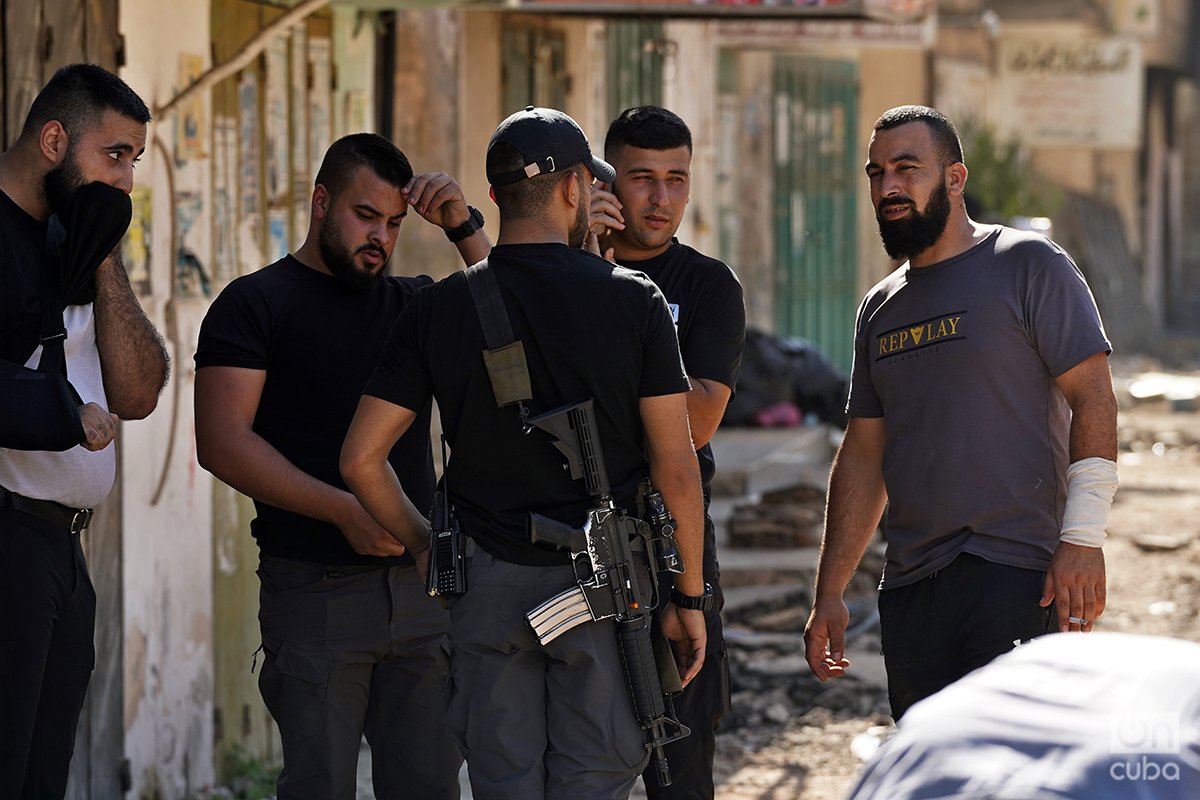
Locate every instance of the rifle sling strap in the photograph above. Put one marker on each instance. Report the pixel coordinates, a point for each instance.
(504, 357)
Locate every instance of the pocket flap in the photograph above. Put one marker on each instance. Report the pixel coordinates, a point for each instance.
(311, 668)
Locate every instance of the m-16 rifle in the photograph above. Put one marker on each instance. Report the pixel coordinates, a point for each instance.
(608, 586)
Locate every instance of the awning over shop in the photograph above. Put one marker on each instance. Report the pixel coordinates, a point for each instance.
(889, 10)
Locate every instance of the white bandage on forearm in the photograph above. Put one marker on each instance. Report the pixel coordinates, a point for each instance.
(1091, 484)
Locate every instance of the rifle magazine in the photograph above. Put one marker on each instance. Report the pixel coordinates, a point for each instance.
(559, 614)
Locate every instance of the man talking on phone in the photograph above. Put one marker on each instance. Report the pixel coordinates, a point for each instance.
(636, 217)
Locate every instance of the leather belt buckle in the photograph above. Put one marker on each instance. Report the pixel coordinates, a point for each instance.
(82, 518)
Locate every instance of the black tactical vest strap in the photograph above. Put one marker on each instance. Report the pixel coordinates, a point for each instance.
(505, 356)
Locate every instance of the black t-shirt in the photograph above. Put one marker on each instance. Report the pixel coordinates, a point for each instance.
(318, 342)
(22, 244)
(22, 248)
(706, 302)
(705, 299)
(590, 330)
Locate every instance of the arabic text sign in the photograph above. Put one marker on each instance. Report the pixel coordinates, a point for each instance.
(1064, 92)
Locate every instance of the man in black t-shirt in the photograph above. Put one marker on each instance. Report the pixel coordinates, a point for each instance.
(352, 645)
(553, 720)
(651, 150)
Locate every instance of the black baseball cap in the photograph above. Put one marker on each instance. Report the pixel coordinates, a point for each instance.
(548, 140)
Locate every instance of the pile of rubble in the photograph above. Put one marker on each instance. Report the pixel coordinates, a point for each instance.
(773, 546)
(789, 517)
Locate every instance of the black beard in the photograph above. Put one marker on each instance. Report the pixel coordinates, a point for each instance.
(340, 260)
(61, 184)
(912, 235)
(579, 230)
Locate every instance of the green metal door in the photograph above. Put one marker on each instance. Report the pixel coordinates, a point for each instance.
(534, 69)
(816, 173)
(635, 64)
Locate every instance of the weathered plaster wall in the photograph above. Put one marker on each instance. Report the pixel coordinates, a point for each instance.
(166, 508)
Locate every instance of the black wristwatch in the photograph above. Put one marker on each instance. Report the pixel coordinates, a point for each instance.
(704, 602)
(474, 222)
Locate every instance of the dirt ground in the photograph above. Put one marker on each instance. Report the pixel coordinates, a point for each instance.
(790, 738)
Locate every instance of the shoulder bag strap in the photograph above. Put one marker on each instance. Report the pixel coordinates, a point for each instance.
(50, 302)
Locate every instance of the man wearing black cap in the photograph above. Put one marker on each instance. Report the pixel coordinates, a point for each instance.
(538, 721)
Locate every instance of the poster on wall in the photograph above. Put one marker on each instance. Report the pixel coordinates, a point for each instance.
(298, 86)
(1067, 92)
(135, 247)
(276, 122)
(320, 101)
(277, 234)
(224, 215)
(886, 10)
(301, 188)
(249, 221)
(189, 117)
(191, 278)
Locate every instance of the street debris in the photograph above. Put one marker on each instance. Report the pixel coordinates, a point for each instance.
(1162, 542)
(785, 518)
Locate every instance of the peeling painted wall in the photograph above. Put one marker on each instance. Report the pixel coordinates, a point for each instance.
(166, 498)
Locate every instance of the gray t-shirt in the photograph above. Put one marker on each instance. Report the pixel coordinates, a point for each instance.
(960, 359)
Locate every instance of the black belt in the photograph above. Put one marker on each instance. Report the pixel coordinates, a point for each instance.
(74, 520)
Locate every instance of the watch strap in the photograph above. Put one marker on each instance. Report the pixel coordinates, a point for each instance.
(474, 222)
(702, 603)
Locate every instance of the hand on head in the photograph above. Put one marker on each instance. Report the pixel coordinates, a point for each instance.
(438, 198)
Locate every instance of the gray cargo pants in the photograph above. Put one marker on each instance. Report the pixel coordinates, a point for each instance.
(537, 722)
(354, 650)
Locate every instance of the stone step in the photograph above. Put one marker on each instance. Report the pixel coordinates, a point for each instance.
(738, 598)
(751, 461)
(798, 560)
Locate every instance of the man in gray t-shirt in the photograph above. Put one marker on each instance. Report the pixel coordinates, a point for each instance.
(982, 413)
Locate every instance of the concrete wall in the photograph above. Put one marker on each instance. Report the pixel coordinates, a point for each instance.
(165, 501)
(695, 61)
(1169, 47)
(425, 113)
(747, 162)
(887, 78)
(354, 59)
(479, 94)
(587, 65)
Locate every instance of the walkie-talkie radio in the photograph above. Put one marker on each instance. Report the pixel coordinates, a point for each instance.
(447, 544)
